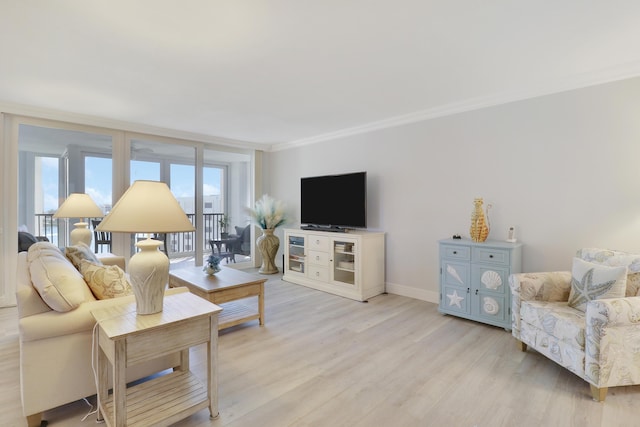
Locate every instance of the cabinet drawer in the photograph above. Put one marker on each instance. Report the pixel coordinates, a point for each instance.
(319, 243)
(456, 252)
(319, 258)
(491, 255)
(319, 273)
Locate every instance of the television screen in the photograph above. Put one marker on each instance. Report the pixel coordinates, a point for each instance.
(334, 201)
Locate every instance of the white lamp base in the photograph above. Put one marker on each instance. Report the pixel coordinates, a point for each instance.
(149, 273)
(81, 234)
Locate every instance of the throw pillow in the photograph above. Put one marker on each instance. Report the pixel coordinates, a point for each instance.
(80, 252)
(105, 281)
(25, 240)
(595, 281)
(59, 284)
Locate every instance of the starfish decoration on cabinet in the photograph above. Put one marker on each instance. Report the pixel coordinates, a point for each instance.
(454, 299)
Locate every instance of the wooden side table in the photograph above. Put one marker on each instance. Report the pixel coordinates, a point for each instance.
(125, 339)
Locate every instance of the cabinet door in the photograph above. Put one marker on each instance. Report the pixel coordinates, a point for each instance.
(455, 299)
(343, 262)
(455, 282)
(490, 292)
(296, 254)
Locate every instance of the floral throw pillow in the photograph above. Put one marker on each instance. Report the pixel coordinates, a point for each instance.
(105, 281)
(595, 281)
(80, 252)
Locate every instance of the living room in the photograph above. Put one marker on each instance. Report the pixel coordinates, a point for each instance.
(556, 162)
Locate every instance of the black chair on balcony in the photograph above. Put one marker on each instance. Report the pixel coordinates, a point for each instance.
(100, 238)
(242, 243)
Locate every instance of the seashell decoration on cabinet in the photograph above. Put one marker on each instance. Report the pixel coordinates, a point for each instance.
(479, 230)
(491, 279)
(490, 306)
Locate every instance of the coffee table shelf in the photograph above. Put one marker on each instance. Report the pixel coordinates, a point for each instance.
(234, 313)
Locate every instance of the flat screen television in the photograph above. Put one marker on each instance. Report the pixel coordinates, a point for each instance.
(334, 202)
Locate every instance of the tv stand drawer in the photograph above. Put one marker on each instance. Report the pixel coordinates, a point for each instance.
(318, 258)
(318, 273)
(318, 243)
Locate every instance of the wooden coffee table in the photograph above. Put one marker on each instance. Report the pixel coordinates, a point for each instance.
(223, 287)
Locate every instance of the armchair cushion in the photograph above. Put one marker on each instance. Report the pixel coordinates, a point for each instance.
(555, 330)
(591, 281)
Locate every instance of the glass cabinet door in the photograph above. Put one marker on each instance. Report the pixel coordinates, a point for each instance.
(344, 258)
(296, 260)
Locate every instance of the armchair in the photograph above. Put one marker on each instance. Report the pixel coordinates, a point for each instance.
(242, 244)
(600, 344)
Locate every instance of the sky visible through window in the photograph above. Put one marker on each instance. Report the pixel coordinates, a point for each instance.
(98, 179)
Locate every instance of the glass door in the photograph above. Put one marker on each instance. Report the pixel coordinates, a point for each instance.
(54, 163)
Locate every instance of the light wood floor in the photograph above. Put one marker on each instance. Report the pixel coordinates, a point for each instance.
(322, 360)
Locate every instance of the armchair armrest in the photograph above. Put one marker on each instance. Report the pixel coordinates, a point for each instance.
(543, 286)
(612, 341)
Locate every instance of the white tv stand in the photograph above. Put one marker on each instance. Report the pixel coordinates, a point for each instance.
(349, 264)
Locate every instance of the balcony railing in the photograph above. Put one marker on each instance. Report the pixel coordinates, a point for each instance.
(178, 244)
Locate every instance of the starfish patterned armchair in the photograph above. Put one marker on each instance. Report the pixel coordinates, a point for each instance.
(587, 320)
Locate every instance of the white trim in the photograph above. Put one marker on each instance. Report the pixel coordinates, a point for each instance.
(574, 82)
(411, 292)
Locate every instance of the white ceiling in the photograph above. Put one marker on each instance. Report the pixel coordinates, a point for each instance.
(292, 71)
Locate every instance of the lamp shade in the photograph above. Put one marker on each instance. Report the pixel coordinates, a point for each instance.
(146, 207)
(79, 205)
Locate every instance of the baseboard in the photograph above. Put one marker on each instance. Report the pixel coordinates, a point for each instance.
(411, 292)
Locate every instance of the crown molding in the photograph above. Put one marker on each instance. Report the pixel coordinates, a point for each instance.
(575, 82)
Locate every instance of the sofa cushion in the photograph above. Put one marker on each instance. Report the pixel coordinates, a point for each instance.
(591, 281)
(105, 281)
(80, 252)
(57, 281)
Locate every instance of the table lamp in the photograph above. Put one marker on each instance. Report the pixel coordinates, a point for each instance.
(79, 205)
(147, 207)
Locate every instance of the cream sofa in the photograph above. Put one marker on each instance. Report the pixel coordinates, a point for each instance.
(56, 347)
(602, 344)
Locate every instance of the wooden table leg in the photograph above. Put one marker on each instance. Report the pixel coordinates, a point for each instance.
(212, 367)
(103, 373)
(261, 304)
(119, 385)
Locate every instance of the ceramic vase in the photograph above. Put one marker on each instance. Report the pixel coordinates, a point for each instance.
(268, 245)
(211, 269)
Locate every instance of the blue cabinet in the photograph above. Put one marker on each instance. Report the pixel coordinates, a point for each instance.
(474, 279)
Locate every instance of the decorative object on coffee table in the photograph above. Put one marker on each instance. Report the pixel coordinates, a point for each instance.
(268, 214)
(147, 207)
(79, 205)
(212, 266)
(479, 230)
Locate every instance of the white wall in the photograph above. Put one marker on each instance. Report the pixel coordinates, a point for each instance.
(564, 169)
